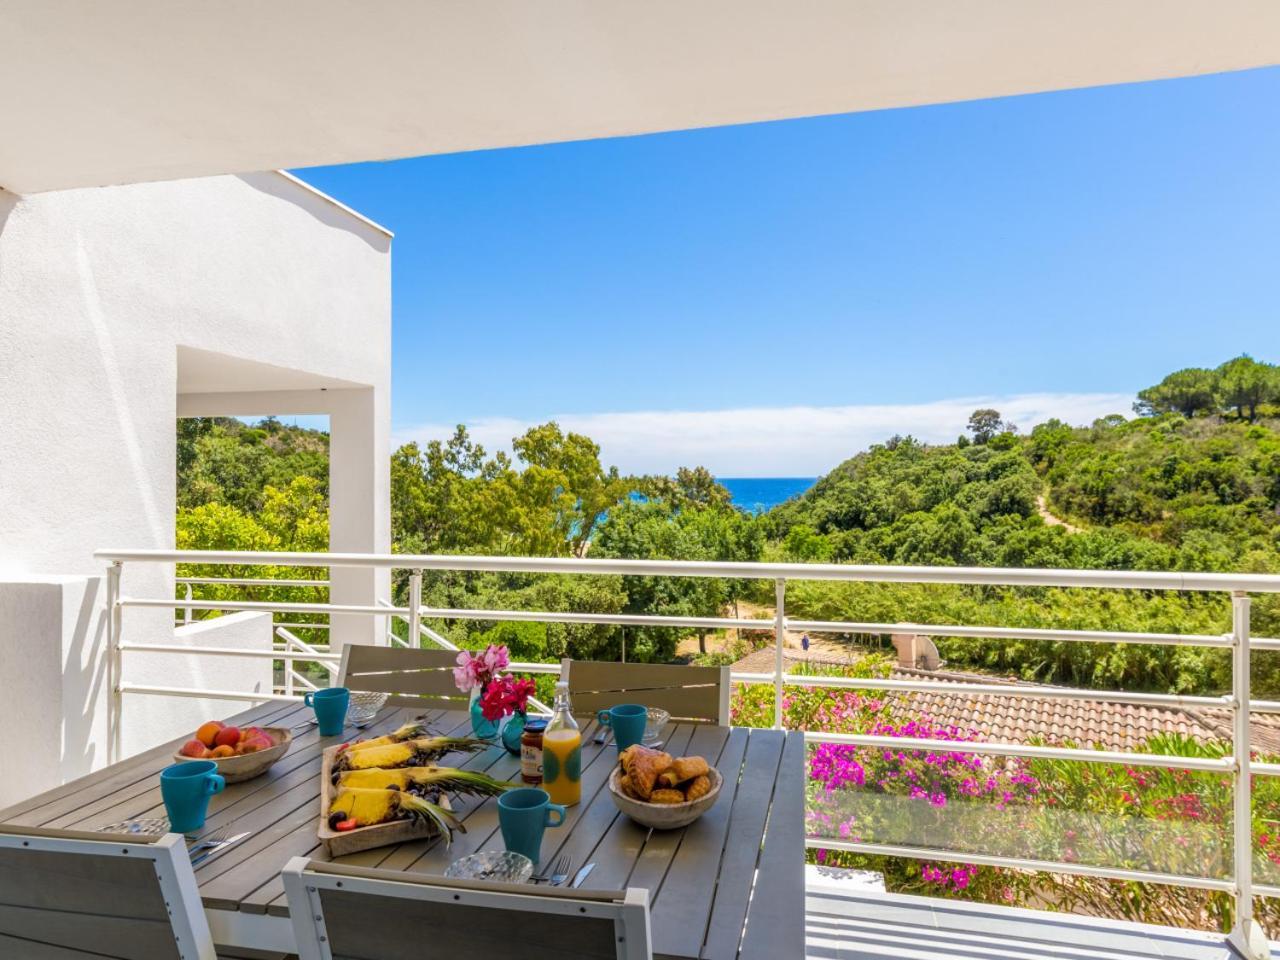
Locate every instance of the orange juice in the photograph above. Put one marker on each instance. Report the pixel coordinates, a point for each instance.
(562, 765)
(562, 752)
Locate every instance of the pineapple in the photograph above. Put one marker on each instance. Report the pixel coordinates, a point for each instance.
(406, 753)
(424, 778)
(410, 731)
(355, 807)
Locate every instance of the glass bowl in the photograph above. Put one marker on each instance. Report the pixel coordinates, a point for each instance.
(654, 723)
(504, 866)
(363, 707)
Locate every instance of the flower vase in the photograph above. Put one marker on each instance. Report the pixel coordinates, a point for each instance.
(512, 731)
(481, 726)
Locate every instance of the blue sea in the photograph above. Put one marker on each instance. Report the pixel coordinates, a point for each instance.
(758, 494)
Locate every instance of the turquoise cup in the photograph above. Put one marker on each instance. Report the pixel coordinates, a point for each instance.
(186, 788)
(330, 706)
(627, 721)
(523, 814)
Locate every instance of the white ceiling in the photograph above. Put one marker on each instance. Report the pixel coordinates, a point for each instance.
(95, 92)
(203, 371)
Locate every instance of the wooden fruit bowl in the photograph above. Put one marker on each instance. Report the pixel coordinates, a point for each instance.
(664, 816)
(250, 765)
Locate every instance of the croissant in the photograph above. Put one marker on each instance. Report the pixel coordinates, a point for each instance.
(685, 768)
(643, 766)
(698, 787)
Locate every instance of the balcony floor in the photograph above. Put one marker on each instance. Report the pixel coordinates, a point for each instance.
(871, 925)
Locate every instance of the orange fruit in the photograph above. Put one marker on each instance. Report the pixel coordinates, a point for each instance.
(208, 731)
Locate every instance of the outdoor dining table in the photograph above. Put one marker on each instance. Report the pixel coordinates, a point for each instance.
(729, 885)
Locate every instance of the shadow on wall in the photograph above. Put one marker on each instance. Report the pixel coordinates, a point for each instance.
(322, 208)
(84, 686)
(7, 202)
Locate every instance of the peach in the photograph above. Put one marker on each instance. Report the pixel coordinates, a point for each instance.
(193, 748)
(208, 732)
(227, 737)
(222, 750)
(256, 743)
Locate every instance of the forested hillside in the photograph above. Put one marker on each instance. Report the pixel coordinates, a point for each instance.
(1191, 483)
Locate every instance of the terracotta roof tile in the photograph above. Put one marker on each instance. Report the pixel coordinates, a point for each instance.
(1097, 724)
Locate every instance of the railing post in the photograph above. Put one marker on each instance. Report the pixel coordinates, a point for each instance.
(115, 695)
(186, 613)
(779, 638)
(1247, 935)
(415, 605)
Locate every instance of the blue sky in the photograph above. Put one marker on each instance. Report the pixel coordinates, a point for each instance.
(762, 297)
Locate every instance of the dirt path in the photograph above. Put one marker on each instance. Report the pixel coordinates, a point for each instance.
(1042, 507)
(821, 647)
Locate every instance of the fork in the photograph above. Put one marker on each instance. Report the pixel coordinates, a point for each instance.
(212, 840)
(557, 873)
(564, 867)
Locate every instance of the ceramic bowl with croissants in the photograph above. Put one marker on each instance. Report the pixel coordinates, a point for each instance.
(664, 792)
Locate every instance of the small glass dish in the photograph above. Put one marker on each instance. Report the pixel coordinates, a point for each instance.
(654, 723)
(503, 866)
(363, 707)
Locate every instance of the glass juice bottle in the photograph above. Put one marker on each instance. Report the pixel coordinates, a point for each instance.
(562, 752)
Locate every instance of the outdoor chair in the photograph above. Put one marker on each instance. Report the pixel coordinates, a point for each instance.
(699, 694)
(67, 895)
(341, 912)
(413, 678)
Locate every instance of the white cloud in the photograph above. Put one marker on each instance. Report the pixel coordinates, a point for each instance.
(776, 441)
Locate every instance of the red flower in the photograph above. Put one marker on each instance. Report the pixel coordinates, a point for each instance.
(503, 696)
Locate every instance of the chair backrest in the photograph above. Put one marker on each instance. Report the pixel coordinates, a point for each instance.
(414, 678)
(687, 693)
(66, 894)
(340, 912)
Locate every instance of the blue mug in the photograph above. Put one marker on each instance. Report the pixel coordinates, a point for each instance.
(523, 814)
(330, 706)
(627, 720)
(186, 788)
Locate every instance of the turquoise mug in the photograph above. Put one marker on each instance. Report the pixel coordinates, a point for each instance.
(627, 720)
(523, 814)
(186, 788)
(330, 706)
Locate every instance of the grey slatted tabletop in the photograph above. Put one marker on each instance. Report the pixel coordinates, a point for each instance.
(730, 885)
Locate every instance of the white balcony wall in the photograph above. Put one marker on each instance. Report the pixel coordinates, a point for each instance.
(52, 659)
(118, 305)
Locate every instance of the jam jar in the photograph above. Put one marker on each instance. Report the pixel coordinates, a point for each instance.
(531, 751)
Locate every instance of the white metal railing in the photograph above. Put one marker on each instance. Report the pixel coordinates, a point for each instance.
(1237, 765)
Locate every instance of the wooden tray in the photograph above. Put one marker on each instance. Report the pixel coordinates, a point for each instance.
(338, 843)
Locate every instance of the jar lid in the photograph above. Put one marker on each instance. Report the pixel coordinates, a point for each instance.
(537, 726)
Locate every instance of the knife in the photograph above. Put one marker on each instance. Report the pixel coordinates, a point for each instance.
(221, 846)
(581, 875)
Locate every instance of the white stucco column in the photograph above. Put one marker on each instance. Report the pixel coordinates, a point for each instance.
(359, 507)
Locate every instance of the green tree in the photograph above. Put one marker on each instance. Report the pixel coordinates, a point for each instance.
(1188, 392)
(1246, 384)
(985, 424)
(658, 530)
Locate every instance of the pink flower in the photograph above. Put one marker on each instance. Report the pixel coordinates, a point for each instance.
(495, 659)
(464, 674)
(479, 669)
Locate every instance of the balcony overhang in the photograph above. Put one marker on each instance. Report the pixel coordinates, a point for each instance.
(97, 93)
